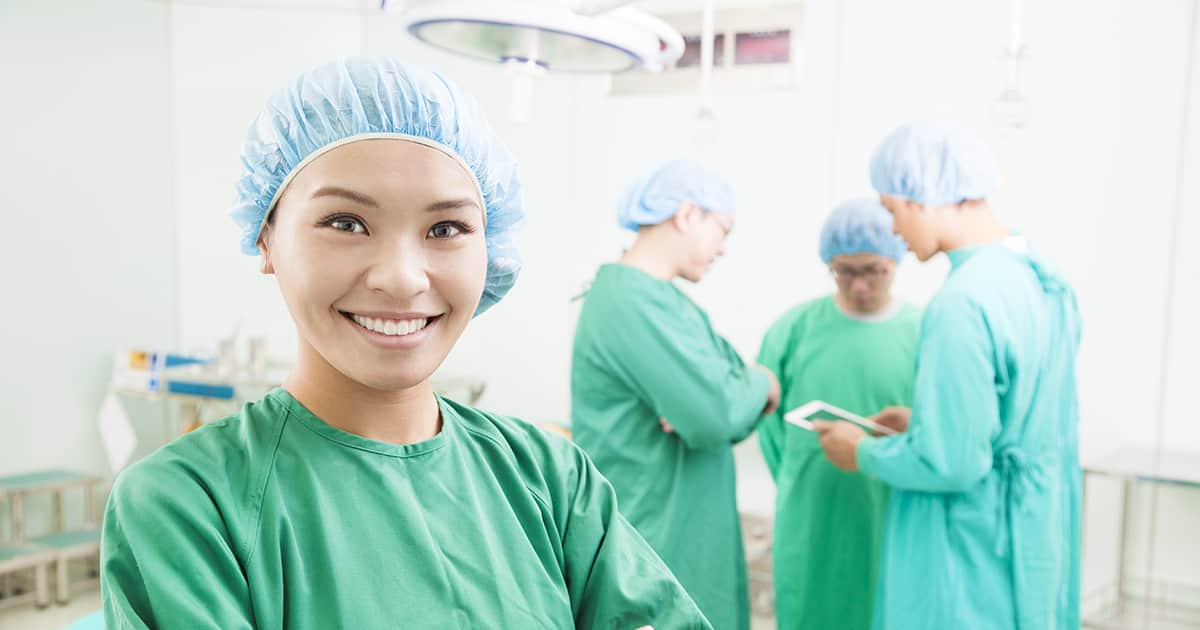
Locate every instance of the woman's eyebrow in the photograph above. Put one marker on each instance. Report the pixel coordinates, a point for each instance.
(334, 191)
(451, 204)
(357, 197)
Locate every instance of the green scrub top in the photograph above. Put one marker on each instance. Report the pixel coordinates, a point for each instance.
(273, 518)
(644, 351)
(829, 523)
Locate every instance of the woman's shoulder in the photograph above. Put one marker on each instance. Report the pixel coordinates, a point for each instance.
(544, 459)
(507, 431)
(213, 465)
(225, 441)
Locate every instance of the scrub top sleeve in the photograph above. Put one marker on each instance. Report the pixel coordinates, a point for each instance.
(771, 429)
(166, 557)
(615, 580)
(956, 410)
(690, 376)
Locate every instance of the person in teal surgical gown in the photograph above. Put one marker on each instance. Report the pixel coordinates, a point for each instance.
(983, 530)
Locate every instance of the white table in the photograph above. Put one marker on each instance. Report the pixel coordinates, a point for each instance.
(1132, 466)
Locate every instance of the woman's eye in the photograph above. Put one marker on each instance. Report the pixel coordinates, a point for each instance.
(445, 230)
(346, 224)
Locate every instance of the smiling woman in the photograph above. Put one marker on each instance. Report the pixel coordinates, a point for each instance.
(353, 496)
(381, 272)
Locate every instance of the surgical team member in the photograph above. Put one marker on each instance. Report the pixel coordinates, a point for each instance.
(353, 496)
(853, 349)
(983, 527)
(644, 352)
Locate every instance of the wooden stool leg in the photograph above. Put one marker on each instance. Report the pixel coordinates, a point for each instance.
(16, 510)
(63, 589)
(42, 593)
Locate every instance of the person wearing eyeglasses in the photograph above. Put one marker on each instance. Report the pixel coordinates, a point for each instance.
(854, 349)
(658, 398)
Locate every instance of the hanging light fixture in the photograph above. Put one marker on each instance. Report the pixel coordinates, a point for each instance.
(703, 128)
(1011, 109)
(532, 37)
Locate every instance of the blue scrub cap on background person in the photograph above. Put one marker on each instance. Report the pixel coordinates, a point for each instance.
(860, 226)
(657, 195)
(934, 164)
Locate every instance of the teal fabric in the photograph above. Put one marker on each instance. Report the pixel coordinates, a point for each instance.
(983, 529)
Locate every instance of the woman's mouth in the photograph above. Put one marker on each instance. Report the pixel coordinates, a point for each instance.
(392, 326)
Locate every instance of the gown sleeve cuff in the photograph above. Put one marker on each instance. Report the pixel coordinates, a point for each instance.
(763, 386)
(865, 455)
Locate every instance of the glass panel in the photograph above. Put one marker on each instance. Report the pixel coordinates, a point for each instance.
(762, 47)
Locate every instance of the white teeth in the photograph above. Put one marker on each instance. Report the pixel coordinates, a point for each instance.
(391, 327)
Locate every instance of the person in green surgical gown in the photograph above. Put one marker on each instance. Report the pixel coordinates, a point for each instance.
(353, 496)
(983, 530)
(646, 358)
(853, 349)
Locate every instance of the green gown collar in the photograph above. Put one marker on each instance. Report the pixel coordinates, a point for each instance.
(301, 413)
(1015, 243)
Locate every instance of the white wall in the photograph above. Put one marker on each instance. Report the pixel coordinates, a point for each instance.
(87, 243)
(1092, 182)
(1179, 508)
(1181, 427)
(217, 90)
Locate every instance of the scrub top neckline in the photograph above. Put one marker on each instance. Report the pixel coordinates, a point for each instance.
(622, 267)
(1014, 242)
(882, 317)
(310, 420)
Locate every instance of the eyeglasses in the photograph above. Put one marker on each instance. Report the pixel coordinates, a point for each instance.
(848, 274)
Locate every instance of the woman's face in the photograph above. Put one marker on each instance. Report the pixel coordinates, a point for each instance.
(378, 247)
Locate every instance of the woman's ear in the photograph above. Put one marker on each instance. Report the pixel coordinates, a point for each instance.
(265, 266)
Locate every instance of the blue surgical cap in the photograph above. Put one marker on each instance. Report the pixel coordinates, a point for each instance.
(363, 98)
(934, 164)
(860, 226)
(657, 195)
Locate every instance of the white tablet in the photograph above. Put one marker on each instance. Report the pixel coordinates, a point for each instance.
(802, 417)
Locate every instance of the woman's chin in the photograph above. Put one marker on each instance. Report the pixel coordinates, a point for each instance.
(390, 380)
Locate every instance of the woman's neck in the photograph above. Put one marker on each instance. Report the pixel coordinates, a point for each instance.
(405, 416)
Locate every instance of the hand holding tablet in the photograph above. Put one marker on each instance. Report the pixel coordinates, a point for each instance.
(802, 417)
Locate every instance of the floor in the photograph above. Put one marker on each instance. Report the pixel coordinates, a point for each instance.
(53, 618)
(1136, 615)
